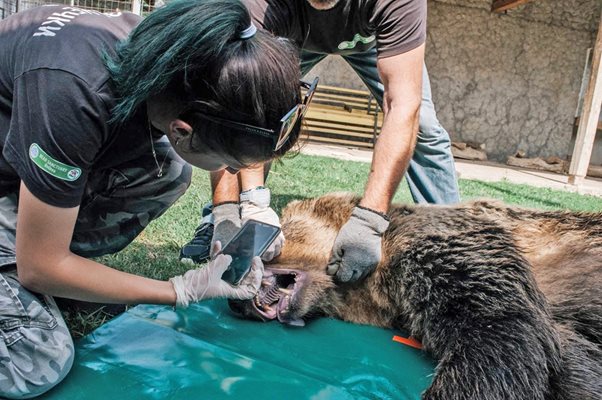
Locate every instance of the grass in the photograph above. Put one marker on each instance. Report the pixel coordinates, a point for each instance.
(155, 252)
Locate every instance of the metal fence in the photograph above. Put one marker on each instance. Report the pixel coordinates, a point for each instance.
(141, 7)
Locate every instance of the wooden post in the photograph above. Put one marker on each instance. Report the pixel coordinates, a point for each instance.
(137, 7)
(590, 115)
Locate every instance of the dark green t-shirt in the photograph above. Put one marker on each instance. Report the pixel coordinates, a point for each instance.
(56, 98)
(352, 26)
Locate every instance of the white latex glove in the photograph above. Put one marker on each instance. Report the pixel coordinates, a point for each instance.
(255, 204)
(206, 282)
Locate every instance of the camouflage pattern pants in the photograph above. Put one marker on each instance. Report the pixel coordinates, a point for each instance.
(36, 350)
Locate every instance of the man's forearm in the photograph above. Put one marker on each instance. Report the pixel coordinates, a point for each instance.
(392, 155)
(224, 186)
(227, 187)
(252, 177)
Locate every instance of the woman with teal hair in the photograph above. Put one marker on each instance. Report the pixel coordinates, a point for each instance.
(101, 116)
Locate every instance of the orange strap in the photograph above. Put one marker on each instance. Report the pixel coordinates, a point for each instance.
(408, 342)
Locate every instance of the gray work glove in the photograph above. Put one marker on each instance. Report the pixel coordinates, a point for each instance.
(226, 223)
(357, 247)
(255, 204)
(206, 282)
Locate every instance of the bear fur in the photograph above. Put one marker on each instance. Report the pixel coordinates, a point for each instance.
(507, 300)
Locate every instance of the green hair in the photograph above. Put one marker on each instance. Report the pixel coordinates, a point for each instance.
(193, 49)
(168, 42)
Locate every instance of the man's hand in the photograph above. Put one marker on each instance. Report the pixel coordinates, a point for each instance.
(206, 282)
(226, 223)
(255, 204)
(357, 248)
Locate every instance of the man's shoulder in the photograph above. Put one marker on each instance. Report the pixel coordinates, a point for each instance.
(399, 25)
(393, 8)
(276, 16)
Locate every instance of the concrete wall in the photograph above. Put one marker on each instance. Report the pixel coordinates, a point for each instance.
(510, 81)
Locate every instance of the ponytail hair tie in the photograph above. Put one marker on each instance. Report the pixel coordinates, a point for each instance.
(249, 32)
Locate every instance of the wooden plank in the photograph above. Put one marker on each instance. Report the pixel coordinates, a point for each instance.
(343, 128)
(590, 114)
(340, 128)
(344, 120)
(365, 120)
(349, 139)
(338, 108)
(356, 97)
(343, 90)
(340, 141)
(339, 132)
(343, 105)
(355, 101)
(499, 6)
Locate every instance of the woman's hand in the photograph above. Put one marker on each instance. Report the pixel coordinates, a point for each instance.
(206, 282)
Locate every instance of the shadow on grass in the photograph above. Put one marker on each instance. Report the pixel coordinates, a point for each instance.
(280, 200)
(152, 260)
(518, 194)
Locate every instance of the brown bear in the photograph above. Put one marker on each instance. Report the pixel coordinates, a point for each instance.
(507, 300)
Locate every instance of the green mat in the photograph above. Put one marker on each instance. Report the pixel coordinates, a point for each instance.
(154, 352)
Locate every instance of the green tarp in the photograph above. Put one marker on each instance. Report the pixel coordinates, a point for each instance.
(154, 352)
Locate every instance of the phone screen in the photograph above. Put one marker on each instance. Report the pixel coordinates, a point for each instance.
(252, 240)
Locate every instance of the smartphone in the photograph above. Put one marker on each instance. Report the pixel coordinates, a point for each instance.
(253, 239)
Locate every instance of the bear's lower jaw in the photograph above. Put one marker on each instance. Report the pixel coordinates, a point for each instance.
(278, 291)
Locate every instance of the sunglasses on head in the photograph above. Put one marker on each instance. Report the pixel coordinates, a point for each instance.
(287, 123)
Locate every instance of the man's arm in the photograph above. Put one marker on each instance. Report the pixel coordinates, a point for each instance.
(255, 204)
(357, 247)
(224, 186)
(251, 177)
(402, 78)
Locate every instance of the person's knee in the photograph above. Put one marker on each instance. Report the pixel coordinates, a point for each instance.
(35, 362)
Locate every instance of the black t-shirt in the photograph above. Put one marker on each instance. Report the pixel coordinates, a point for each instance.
(55, 101)
(352, 26)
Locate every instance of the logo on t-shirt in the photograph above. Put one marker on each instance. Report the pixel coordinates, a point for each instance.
(52, 166)
(57, 21)
(357, 38)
